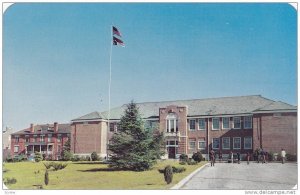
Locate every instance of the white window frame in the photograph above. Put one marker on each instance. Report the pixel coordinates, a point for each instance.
(212, 124)
(213, 143)
(245, 142)
(234, 127)
(171, 118)
(234, 142)
(59, 136)
(201, 141)
(201, 129)
(249, 127)
(194, 141)
(49, 137)
(27, 138)
(16, 146)
(190, 124)
(42, 138)
(228, 148)
(228, 122)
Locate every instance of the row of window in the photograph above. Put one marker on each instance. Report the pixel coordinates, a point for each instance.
(42, 138)
(236, 123)
(16, 148)
(236, 143)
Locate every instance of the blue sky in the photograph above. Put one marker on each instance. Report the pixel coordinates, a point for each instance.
(56, 56)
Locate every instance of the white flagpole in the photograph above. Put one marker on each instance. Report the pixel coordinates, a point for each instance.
(109, 85)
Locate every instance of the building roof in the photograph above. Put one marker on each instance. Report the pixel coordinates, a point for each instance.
(45, 129)
(200, 107)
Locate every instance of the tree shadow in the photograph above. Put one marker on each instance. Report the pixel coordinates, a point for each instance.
(102, 170)
(89, 163)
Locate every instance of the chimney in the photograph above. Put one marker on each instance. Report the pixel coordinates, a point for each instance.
(55, 127)
(31, 128)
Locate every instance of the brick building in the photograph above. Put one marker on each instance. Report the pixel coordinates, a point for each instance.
(238, 124)
(48, 139)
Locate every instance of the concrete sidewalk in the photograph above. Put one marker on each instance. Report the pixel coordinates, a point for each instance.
(228, 176)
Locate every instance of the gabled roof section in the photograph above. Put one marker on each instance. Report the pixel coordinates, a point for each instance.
(45, 129)
(276, 106)
(91, 116)
(199, 107)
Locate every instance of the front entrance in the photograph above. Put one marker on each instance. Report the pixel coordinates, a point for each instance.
(171, 152)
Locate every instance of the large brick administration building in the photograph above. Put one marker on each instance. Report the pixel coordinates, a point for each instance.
(238, 124)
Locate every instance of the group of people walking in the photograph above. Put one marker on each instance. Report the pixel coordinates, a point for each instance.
(259, 155)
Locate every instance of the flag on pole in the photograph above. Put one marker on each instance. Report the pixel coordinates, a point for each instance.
(117, 41)
(116, 31)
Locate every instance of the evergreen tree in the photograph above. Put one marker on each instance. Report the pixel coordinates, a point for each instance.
(66, 153)
(134, 147)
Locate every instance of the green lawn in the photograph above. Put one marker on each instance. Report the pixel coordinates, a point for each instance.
(89, 175)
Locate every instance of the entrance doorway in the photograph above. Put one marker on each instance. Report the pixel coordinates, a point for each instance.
(171, 152)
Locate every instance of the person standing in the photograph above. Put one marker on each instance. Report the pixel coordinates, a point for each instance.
(283, 154)
(220, 156)
(238, 157)
(248, 158)
(212, 158)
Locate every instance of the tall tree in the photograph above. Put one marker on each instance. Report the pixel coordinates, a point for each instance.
(133, 146)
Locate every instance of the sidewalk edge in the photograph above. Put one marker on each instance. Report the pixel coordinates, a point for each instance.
(187, 178)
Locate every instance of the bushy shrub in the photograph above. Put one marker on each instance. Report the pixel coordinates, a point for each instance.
(183, 157)
(270, 156)
(182, 162)
(178, 169)
(191, 162)
(75, 158)
(46, 179)
(9, 181)
(94, 156)
(67, 155)
(197, 157)
(38, 157)
(168, 174)
(291, 157)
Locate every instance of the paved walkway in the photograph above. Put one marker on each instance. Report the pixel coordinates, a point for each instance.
(228, 176)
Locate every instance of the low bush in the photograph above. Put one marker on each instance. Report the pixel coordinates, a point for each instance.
(197, 157)
(291, 157)
(94, 156)
(75, 158)
(9, 181)
(38, 157)
(183, 158)
(178, 169)
(182, 162)
(191, 162)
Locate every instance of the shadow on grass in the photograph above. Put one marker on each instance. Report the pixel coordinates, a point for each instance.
(89, 163)
(102, 170)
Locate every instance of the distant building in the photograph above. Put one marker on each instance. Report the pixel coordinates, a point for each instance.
(47, 139)
(239, 124)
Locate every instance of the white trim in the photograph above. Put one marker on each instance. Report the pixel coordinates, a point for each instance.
(250, 142)
(199, 124)
(192, 140)
(233, 142)
(240, 122)
(223, 143)
(202, 142)
(212, 143)
(212, 124)
(251, 119)
(220, 116)
(228, 123)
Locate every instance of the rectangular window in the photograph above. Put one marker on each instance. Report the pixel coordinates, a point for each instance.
(215, 143)
(236, 143)
(192, 125)
(248, 122)
(16, 149)
(34, 138)
(215, 124)
(42, 138)
(49, 137)
(201, 124)
(201, 144)
(17, 139)
(59, 138)
(225, 122)
(111, 127)
(27, 139)
(247, 142)
(192, 144)
(226, 143)
(236, 122)
(172, 143)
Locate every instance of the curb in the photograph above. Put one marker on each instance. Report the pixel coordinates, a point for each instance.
(187, 178)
